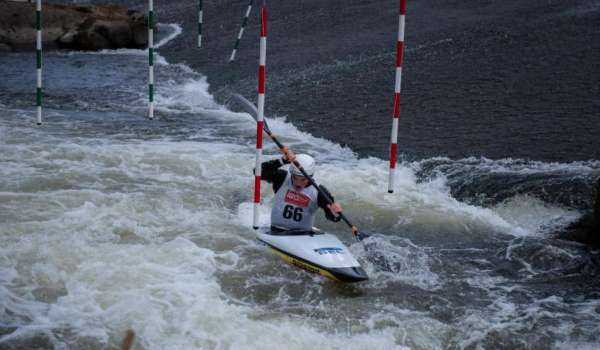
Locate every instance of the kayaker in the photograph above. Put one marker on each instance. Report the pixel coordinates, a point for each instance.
(296, 200)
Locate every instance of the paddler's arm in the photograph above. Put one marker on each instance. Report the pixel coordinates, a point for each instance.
(324, 203)
(271, 173)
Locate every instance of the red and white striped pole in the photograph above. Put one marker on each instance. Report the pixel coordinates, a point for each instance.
(396, 119)
(261, 111)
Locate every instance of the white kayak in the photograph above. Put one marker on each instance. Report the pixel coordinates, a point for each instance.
(316, 252)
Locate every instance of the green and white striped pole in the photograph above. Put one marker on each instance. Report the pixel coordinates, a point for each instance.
(38, 26)
(151, 59)
(244, 22)
(200, 23)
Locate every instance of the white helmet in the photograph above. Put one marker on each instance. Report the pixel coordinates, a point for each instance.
(307, 162)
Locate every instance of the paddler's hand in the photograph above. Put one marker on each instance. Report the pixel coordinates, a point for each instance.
(335, 207)
(288, 156)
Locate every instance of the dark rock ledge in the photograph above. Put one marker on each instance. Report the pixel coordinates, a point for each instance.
(587, 229)
(75, 27)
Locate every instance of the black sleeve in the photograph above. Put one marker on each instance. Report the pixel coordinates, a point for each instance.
(271, 173)
(322, 201)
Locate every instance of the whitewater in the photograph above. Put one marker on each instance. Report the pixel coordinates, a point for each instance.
(109, 222)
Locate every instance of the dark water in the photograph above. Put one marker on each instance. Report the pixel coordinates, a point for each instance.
(110, 221)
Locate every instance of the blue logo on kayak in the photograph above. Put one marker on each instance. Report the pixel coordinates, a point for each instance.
(329, 250)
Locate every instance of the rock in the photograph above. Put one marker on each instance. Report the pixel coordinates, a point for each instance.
(139, 27)
(4, 48)
(587, 228)
(97, 34)
(76, 27)
(94, 34)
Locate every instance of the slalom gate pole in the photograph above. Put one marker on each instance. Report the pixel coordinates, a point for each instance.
(151, 59)
(261, 111)
(200, 23)
(38, 27)
(396, 119)
(239, 37)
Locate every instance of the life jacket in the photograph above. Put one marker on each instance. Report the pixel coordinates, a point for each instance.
(294, 209)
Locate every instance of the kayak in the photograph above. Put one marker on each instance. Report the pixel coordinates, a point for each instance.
(316, 252)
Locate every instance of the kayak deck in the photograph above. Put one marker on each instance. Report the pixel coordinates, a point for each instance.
(316, 252)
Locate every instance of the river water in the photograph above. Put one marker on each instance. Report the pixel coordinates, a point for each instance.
(109, 222)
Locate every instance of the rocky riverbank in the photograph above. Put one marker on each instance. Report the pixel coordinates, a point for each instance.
(75, 27)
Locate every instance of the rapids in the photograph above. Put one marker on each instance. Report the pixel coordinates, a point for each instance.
(109, 221)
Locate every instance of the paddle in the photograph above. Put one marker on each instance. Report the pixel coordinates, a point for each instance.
(251, 109)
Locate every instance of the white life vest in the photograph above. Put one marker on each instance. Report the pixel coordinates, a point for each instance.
(294, 209)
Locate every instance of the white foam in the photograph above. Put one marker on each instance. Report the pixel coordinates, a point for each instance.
(246, 216)
(414, 328)
(190, 96)
(392, 259)
(532, 216)
(361, 182)
(165, 292)
(520, 166)
(106, 257)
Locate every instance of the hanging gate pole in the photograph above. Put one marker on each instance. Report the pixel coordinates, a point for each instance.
(244, 22)
(399, 58)
(151, 59)
(200, 23)
(38, 26)
(261, 111)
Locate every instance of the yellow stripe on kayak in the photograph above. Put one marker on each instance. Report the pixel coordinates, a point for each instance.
(304, 265)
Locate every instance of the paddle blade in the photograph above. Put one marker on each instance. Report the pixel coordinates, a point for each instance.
(358, 234)
(251, 109)
(361, 235)
(248, 106)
